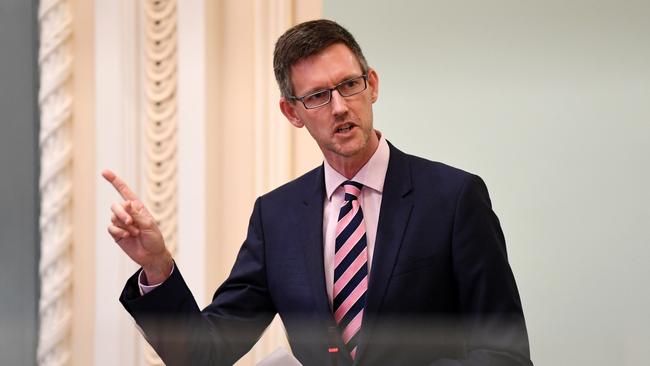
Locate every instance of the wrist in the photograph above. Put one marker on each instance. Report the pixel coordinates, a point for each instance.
(158, 271)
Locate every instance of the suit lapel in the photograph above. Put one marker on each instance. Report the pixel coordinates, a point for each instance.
(395, 211)
(311, 235)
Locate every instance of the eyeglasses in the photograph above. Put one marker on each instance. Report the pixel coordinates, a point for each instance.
(345, 88)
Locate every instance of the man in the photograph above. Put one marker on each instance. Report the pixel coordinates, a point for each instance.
(389, 258)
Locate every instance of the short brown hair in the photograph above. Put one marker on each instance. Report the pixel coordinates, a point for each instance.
(307, 39)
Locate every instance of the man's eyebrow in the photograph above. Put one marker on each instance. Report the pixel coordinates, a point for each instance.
(349, 77)
(321, 88)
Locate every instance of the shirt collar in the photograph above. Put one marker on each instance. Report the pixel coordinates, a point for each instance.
(371, 175)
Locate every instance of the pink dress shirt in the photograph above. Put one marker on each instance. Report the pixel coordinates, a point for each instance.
(372, 177)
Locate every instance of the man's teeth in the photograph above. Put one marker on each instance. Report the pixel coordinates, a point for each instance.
(344, 129)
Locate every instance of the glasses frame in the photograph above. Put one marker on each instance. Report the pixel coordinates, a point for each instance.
(330, 90)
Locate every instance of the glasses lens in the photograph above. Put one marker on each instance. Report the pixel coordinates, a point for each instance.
(352, 86)
(316, 99)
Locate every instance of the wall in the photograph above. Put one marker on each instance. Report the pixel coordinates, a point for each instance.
(18, 183)
(548, 102)
(84, 172)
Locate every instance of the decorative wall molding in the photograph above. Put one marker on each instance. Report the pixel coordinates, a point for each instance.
(160, 121)
(161, 114)
(55, 102)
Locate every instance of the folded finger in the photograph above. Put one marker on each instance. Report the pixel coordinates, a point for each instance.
(117, 233)
(139, 214)
(120, 213)
(130, 228)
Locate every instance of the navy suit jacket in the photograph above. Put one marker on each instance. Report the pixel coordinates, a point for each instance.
(441, 291)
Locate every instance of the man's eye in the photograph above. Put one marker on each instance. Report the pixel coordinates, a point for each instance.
(351, 83)
(349, 86)
(316, 96)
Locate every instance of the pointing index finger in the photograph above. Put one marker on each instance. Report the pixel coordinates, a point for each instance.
(119, 185)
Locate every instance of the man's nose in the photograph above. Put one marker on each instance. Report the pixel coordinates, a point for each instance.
(339, 103)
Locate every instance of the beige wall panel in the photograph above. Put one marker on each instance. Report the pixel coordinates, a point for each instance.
(230, 134)
(305, 10)
(307, 154)
(213, 106)
(230, 130)
(83, 176)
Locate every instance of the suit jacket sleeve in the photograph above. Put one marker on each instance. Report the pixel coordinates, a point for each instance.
(491, 309)
(224, 331)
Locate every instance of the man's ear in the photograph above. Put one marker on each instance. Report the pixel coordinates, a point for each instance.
(289, 110)
(373, 84)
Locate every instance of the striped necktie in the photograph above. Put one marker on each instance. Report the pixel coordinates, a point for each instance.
(350, 267)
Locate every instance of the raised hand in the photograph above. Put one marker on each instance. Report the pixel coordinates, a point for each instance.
(134, 229)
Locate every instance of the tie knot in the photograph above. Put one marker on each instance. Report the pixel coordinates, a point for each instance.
(352, 189)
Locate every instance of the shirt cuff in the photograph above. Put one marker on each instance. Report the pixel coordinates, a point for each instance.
(145, 289)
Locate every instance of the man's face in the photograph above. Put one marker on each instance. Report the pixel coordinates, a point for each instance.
(343, 128)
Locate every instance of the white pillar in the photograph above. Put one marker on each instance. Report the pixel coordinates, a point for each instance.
(117, 148)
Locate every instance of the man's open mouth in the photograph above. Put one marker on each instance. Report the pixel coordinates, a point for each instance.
(344, 128)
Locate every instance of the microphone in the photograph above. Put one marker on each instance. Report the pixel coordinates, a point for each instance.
(332, 346)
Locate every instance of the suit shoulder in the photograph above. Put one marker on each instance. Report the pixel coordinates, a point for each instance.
(312, 180)
(425, 168)
(435, 178)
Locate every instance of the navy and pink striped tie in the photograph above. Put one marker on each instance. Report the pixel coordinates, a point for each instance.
(350, 267)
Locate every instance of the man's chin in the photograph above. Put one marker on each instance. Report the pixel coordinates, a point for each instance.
(350, 150)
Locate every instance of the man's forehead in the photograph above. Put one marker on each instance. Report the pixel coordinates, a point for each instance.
(332, 64)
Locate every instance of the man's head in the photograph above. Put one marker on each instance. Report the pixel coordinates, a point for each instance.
(328, 88)
(307, 39)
